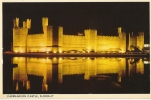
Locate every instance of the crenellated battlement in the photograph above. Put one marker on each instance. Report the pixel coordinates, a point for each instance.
(74, 35)
(49, 41)
(109, 36)
(39, 34)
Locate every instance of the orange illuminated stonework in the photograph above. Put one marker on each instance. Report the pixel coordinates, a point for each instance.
(87, 42)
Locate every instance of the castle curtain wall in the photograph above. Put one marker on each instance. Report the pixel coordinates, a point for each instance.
(49, 41)
(73, 42)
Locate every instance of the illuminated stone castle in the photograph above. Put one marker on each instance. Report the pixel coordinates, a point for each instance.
(89, 41)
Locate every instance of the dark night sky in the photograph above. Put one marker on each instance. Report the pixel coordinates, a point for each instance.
(75, 17)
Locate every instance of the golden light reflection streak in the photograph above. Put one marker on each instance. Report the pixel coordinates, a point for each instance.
(104, 66)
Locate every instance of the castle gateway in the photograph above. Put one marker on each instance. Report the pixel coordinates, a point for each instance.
(87, 42)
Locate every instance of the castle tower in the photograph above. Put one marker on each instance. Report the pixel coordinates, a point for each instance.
(24, 24)
(23, 39)
(123, 42)
(120, 32)
(90, 39)
(60, 38)
(16, 39)
(44, 21)
(140, 40)
(49, 36)
(132, 41)
(16, 22)
(45, 36)
(20, 36)
(129, 42)
(136, 41)
(16, 35)
(122, 37)
(119, 29)
(87, 39)
(28, 22)
(44, 24)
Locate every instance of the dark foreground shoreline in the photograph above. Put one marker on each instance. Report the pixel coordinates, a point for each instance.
(78, 54)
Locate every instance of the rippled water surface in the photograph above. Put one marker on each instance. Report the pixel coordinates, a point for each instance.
(76, 75)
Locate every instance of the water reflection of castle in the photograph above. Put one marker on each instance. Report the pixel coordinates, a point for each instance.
(60, 67)
(48, 40)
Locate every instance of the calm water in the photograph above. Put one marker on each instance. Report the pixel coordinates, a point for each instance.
(76, 75)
